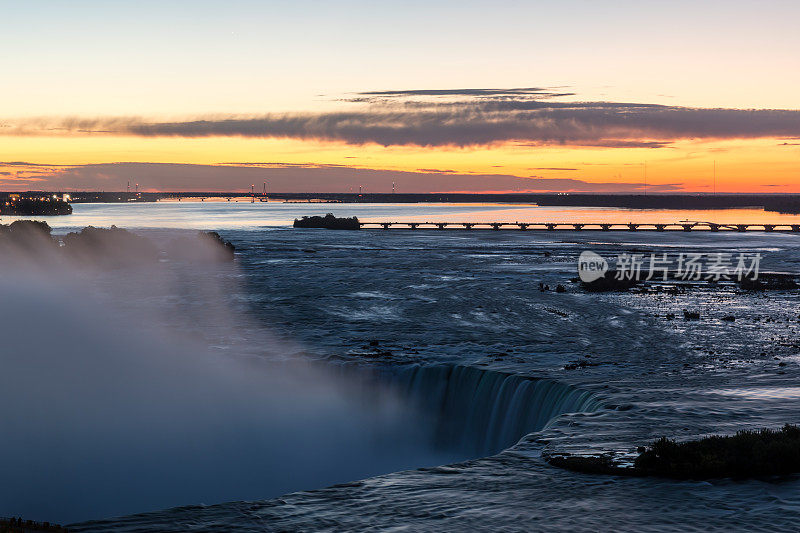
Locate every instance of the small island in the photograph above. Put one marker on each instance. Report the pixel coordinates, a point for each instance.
(328, 222)
(746, 455)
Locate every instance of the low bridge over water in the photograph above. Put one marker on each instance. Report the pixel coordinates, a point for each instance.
(684, 225)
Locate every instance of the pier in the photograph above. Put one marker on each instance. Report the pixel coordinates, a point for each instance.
(684, 225)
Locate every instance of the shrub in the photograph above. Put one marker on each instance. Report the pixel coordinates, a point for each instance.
(746, 454)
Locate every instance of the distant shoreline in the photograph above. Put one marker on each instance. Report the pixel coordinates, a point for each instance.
(783, 203)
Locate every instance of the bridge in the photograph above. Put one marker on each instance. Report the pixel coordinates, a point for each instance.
(683, 225)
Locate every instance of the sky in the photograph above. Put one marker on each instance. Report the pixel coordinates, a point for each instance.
(569, 96)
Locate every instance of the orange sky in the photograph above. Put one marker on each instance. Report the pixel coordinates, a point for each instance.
(309, 83)
(761, 165)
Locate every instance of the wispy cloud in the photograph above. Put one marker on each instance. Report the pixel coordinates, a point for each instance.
(520, 93)
(27, 164)
(536, 91)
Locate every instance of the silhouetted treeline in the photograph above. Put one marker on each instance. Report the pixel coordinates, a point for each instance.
(328, 222)
(30, 240)
(789, 203)
(18, 525)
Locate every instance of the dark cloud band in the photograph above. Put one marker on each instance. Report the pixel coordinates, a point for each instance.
(492, 118)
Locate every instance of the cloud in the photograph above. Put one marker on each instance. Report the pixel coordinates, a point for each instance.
(436, 170)
(516, 93)
(478, 117)
(313, 178)
(275, 164)
(608, 143)
(27, 164)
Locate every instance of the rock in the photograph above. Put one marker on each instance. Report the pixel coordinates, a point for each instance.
(609, 282)
(769, 281)
(215, 238)
(583, 363)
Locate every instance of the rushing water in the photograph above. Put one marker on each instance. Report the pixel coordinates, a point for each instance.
(452, 326)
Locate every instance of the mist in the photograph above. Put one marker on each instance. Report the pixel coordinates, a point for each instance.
(134, 387)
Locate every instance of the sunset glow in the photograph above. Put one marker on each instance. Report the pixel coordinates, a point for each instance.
(643, 111)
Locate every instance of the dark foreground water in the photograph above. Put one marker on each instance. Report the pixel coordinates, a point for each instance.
(437, 350)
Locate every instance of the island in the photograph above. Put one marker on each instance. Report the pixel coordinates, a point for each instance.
(328, 222)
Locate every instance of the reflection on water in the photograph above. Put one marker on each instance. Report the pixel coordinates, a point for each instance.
(761, 393)
(244, 215)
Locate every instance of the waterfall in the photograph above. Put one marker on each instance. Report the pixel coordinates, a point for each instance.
(485, 411)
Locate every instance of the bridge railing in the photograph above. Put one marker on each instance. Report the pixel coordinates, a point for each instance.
(585, 226)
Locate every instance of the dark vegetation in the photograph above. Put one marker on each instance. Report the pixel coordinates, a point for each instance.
(21, 230)
(105, 247)
(18, 525)
(328, 222)
(204, 246)
(789, 203)
(24, 227)
(27, 238)
(109, 247)
(786, 204)
(747, 454)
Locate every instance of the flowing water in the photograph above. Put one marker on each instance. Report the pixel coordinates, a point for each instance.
(446, 375)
